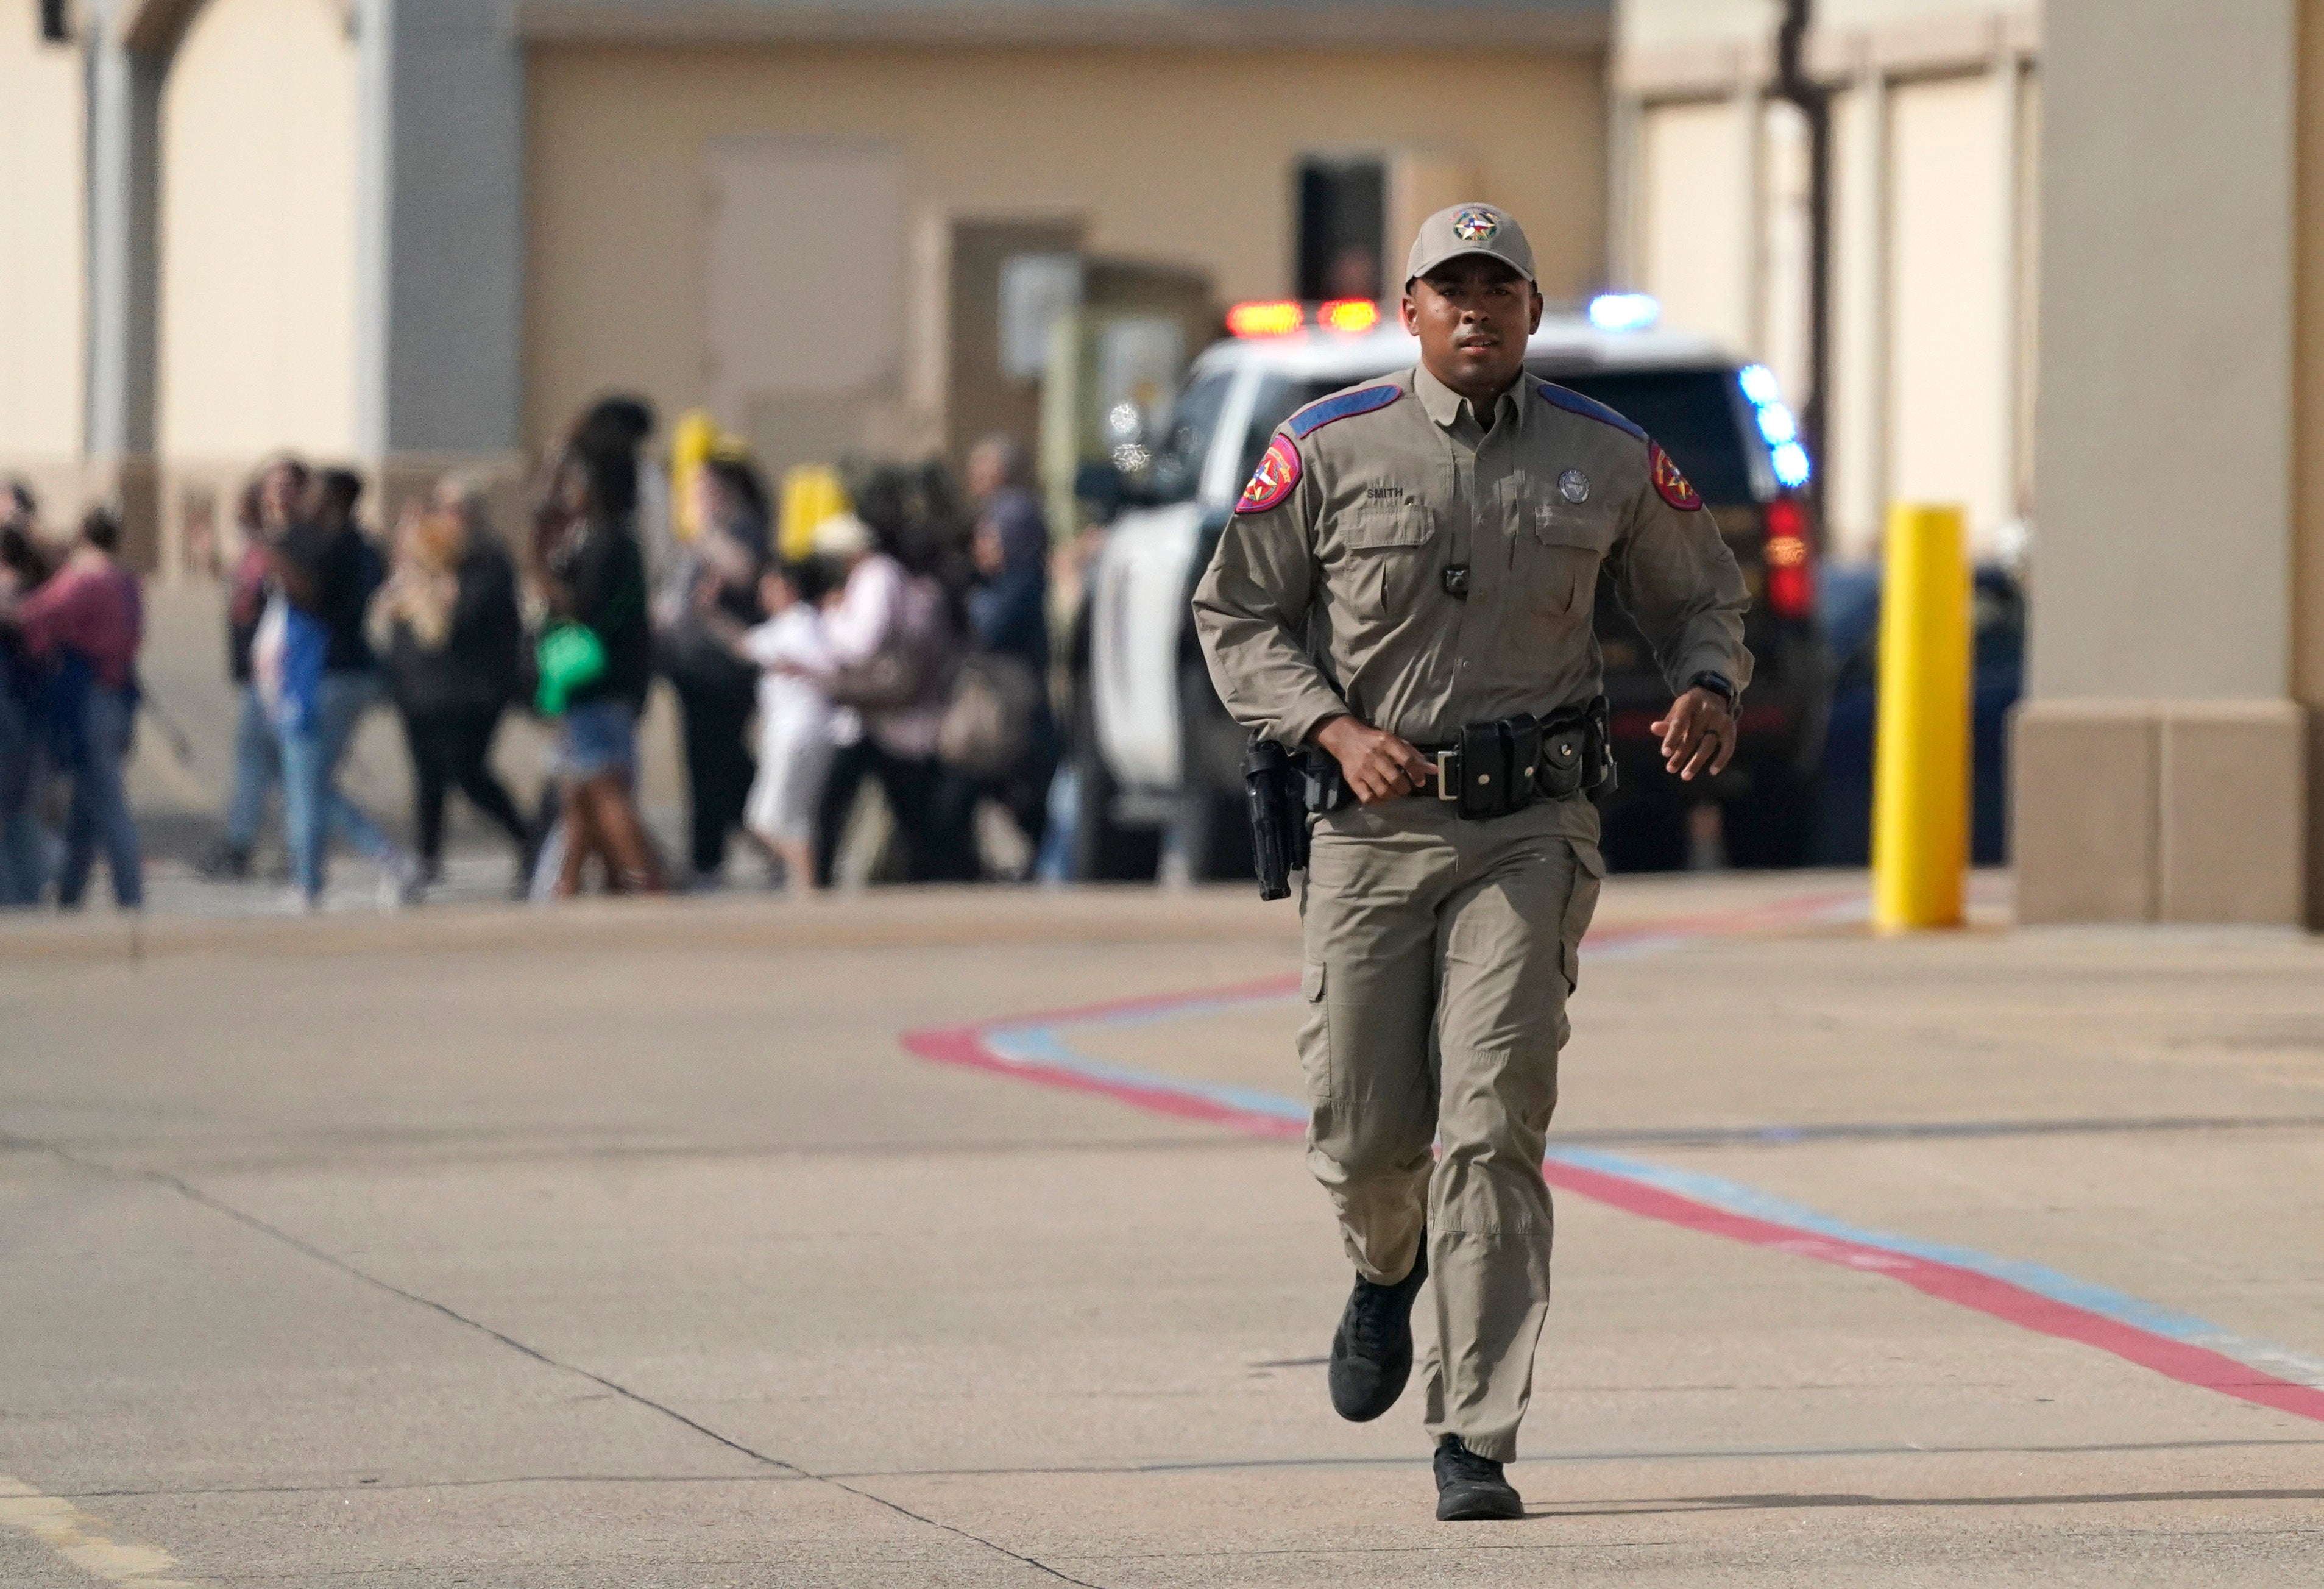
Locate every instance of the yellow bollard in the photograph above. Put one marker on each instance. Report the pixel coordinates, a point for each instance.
(691, 442)
(811, 492)
(1921, 771)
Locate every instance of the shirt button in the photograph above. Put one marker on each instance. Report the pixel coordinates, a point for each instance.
(1465, 662)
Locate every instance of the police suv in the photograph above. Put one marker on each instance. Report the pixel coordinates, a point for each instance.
(1156, 754)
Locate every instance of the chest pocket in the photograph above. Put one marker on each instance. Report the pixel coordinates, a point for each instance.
(1390, 560)
(1559, 557)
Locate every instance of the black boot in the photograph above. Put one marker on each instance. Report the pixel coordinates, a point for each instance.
(1470, 1488)
(1372, 1354)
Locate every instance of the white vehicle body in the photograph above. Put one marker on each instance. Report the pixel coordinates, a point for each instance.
(1146, 572)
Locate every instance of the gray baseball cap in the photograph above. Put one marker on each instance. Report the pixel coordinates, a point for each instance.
(1470, 228)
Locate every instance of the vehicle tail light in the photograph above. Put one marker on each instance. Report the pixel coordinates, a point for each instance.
(1791, 564)
(1351, 314)
(1266, 318)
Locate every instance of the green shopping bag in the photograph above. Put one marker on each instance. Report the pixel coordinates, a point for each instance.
(569, 657)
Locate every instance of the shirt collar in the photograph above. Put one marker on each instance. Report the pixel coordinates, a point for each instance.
(1443, 405)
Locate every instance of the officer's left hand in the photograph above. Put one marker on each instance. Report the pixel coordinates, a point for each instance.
(1698, 734)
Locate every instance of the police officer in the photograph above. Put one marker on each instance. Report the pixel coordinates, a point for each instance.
(1406, 588)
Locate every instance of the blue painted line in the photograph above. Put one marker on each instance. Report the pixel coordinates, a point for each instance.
(1042, 1044)
(1736, 1198)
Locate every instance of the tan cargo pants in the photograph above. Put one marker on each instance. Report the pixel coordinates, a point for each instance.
(1439, 954)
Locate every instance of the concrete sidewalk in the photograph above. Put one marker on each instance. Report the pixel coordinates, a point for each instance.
(628, 1246)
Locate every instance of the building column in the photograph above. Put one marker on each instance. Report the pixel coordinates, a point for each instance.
(440, 241)
(1855, 464)
(1625, 249)
(1749, 108)
(2307, 582)
(125, 190)
(2162, 765)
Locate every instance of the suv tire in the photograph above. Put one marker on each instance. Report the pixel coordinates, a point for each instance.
(1104, 850)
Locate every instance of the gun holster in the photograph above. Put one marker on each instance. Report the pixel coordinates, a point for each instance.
(1275, 793)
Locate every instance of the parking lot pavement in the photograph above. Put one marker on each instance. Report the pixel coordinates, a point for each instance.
(955, 1239)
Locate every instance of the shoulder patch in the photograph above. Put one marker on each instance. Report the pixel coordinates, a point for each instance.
(1671, 484)
(1364, 399)
(1272, 482)
(1589, 408)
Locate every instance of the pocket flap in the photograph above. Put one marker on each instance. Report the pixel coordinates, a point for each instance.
(1369, 529)
(1311, 981)
(1585, 528)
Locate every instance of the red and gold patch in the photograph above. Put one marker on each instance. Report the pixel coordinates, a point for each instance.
(1277, 473)
(1669, 482)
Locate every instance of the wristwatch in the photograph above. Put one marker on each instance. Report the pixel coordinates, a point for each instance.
(1718, 684)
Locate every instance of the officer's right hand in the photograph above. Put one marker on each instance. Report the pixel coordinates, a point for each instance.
(1376, 764)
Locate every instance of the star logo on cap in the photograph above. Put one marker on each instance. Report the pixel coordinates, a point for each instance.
(1476, 225)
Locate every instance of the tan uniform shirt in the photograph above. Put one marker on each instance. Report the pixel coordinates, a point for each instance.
(1329, 596)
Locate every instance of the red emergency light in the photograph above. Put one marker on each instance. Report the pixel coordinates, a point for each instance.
(1353, 316)
(1273, 317)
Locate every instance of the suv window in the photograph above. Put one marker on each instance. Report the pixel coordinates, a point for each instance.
(1177, 470)
(1278, 399)
(1693, 413)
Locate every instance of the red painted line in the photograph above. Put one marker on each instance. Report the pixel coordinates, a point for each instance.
(1997, 1298)
(1265, 987)
(965, 1045)
(1760, 918)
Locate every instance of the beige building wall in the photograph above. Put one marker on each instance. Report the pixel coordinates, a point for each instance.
(1693, 24)
(1176, 155)
(1950, 301)
(1856, 438)
(1696, 249)
(2166, 766)
(1932, 333)
(42, 260)
(258, 247)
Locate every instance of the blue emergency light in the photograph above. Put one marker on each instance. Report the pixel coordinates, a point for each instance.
(1776, 426)
(1624, 311)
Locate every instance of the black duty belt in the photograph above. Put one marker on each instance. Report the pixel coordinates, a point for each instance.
(1500, 768)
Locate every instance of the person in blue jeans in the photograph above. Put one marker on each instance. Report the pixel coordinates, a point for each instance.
(328, 678)
(83, 627)
(270, 504)
(25, 564)
(24, 861)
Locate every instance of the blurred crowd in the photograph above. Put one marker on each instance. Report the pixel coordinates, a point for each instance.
(71, 620)
(904, 644)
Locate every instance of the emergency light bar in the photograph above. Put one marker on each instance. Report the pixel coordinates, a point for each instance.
(1266, 318)
(1777, 428)
(1625, 311)
(1280, 317)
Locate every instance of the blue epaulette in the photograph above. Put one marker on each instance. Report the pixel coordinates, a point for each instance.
(1573, 403)
(1364, 399)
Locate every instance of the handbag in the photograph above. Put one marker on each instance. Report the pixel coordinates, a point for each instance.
(988, 723)
(909, 668)
(569, 657)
